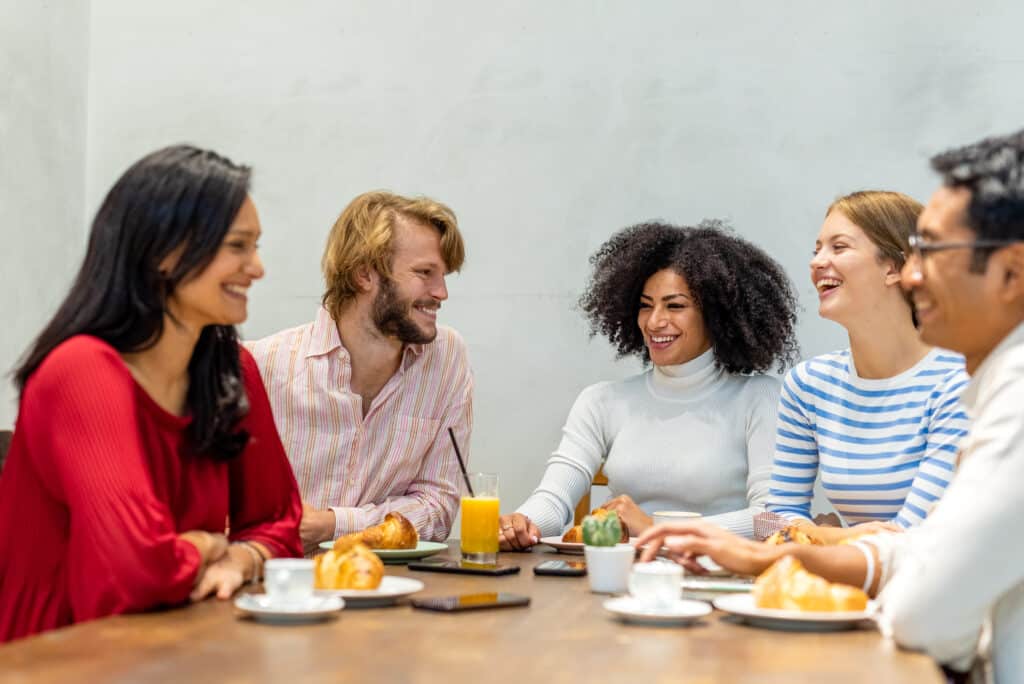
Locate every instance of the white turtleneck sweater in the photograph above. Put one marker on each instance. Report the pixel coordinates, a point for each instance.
(684, 438)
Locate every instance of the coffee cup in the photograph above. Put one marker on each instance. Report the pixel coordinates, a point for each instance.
(662, 517)
(657, 584)
(288, 580)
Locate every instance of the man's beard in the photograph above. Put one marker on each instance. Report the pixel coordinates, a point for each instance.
(392, 316)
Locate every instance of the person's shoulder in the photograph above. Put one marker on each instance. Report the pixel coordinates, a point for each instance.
(261, 348)
(830, 368)
(78, 356)
(758, 384)
(448, 340)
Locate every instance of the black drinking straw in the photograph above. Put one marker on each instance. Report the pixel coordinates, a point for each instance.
(462, 465)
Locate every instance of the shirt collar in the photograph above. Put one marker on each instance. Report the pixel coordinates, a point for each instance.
(326, 340)
(990, 365)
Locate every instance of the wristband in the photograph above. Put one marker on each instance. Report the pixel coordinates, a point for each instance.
(869, 557)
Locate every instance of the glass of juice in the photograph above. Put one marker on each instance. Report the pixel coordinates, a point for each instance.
(480, 520)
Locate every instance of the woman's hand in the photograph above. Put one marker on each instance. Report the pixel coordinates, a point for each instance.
(211, 545)
(516, 532)
(635, 520)
(224, 576)
(685, 541)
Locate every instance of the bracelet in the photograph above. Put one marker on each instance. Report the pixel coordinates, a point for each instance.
(869, 557)
(257, 561)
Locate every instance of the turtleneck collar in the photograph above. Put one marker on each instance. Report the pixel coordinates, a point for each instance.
(685, 381)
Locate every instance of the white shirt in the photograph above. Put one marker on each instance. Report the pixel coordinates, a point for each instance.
(963, 567)
(690, 437)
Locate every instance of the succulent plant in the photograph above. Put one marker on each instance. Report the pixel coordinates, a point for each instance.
(602, 530)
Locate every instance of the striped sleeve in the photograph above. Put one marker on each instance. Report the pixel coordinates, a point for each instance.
(946, 426)
(795, 465)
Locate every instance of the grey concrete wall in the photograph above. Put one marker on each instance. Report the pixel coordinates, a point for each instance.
(43, 77)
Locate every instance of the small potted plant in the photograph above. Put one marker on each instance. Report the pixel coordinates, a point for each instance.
(608, 560)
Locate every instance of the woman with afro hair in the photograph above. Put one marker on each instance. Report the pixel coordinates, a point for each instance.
(712, 314)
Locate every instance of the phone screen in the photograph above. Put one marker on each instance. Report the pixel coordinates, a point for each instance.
(442, 565)
(472, 601)
(573, 568)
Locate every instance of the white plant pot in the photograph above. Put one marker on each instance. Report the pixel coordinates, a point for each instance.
(608, 567)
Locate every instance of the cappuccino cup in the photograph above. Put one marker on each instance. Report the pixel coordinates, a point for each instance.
(662, 517)
(657, 584)
(288, 580)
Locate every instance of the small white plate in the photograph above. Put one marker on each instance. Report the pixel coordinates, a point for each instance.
(682, 612)
(390, 590)
(744, 607)
(263, 608)
(569, 547)
(695, 583)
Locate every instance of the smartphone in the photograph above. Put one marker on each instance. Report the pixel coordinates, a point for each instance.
(441, 565)
(454, 604)
(560, 567)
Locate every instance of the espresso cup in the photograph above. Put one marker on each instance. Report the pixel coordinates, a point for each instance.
(662, 517)
(656, 584)
(288, 580)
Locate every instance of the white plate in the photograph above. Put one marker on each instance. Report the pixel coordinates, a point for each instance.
(682, 612)
(390, 590)
(569, 547)
(743, 606)
(396, 556)
(261, 607)
(695, 583)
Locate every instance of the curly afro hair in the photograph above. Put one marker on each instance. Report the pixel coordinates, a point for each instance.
(745, 297)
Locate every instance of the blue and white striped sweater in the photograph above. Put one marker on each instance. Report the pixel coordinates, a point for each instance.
(884, 449)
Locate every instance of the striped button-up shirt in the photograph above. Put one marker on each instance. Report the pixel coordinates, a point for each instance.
(398, 457)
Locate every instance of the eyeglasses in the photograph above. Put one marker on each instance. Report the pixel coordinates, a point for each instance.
(920, 247)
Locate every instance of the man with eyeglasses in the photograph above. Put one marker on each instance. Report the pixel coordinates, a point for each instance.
(953, 586)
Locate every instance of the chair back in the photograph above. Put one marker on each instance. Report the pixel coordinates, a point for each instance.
(583, 507)
(5, 444)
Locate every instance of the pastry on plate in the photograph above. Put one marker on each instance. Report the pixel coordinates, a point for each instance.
(353, 566)
(575, 533)
(793, 533)
(786, 585)
(396, 532)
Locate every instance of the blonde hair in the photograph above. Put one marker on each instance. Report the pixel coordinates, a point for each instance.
(887, 218)
(364, 234)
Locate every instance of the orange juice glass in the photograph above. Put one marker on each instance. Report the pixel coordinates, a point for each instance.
(479, 537)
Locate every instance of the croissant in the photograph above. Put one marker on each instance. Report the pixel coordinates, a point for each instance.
(396, 532)
(787, 585)
(575, 533)
(354, 566)
(792, 534)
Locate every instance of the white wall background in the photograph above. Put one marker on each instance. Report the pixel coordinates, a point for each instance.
(546, 126)
(43, 75)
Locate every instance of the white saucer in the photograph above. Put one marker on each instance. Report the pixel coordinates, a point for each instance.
(682, 612)
(262, 607)
(744, 607)
(390, 590)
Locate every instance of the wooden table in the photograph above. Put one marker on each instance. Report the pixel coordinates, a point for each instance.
(564, 636)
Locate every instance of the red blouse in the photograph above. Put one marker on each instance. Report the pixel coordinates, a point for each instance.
(99, 482)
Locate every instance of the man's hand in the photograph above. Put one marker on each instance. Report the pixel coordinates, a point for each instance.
(685, 541)
(516, 532)
(635, 520)
(316, 526)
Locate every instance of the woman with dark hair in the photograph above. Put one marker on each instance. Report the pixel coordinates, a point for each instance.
(878, 423)
(711, 312)
(143, 428)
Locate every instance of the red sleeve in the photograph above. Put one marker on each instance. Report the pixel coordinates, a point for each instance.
(123, 551)
(265, 503)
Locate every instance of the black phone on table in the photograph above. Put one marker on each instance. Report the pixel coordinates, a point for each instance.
(561, 568)
(455, 604)
(442, 565)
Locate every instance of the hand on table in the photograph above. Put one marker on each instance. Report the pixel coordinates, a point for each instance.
(516, 532)
(687, 540)
(635, 520)
(223, 577)
(316, 526)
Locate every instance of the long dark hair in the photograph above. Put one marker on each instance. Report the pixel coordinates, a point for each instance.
(179, 200)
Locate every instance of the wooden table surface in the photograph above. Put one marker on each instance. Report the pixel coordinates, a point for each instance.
(563, 636)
